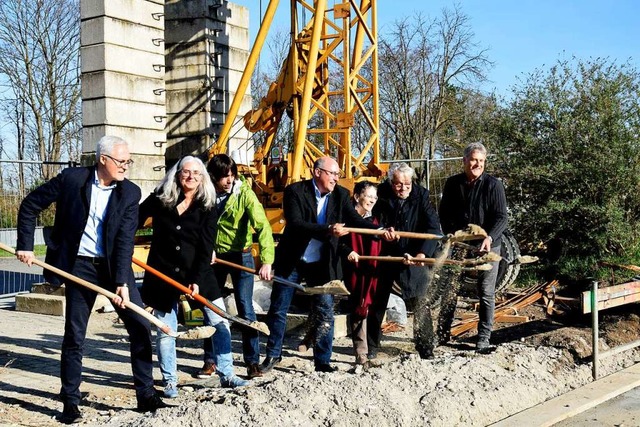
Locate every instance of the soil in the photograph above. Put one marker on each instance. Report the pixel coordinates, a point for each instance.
(532, 362)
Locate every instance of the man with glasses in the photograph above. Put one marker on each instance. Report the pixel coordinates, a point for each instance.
(405, 206)
(92, 237)
(315, 211)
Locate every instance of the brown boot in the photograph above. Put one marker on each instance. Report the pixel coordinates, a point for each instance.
(207, 370)
(253, 371)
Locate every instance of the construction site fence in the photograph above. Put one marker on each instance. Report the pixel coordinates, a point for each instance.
(596, 354)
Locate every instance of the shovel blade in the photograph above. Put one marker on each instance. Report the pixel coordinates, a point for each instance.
(198, 333)
(334, 287)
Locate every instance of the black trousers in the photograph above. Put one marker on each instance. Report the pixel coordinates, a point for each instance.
(79, 302)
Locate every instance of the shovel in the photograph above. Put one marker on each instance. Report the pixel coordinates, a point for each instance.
(334, 287)
(193, 334)
(472, 232)
(520, 259)
(475, 264)
(258, 326)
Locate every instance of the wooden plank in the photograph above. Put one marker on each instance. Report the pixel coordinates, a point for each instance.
(612, 296)
(512, 318)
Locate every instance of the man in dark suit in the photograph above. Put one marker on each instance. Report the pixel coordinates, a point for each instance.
(315, 211)
(475, 197)
(95, 222)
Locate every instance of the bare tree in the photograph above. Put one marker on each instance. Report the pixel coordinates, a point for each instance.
(424, 65)
(39, 60)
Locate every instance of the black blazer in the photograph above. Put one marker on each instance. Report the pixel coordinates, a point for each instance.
(485, 204)
(300, 213)
(71, 191)
(181, 248)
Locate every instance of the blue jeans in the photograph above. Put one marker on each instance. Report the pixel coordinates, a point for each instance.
(320, 319)
(220, 341)
(166, 345)
(243, 294)
(486, 285)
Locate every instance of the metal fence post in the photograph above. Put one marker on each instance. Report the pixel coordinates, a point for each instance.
(594, 329)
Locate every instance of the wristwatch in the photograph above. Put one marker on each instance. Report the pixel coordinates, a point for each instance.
(123, 285)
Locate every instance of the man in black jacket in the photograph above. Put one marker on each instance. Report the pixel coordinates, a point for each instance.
(474, 197)
(95, 223)
(316, 211)
(404, 206)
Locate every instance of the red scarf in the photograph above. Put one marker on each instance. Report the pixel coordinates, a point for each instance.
(363, 280)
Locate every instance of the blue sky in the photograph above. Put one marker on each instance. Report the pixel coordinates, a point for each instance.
(521, 35)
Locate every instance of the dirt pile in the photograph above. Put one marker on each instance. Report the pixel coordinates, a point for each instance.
(458, 387)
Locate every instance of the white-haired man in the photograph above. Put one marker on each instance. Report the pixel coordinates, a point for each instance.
(93, 238)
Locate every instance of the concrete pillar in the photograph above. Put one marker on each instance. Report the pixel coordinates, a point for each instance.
(123, 90)
(207, 46)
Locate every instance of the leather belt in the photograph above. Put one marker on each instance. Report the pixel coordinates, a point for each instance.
(92, 259)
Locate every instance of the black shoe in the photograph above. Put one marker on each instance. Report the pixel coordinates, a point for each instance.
(151, 403)
(70, 414)
(325, 367)
(268, 363)
(484, 347)
(372, 354)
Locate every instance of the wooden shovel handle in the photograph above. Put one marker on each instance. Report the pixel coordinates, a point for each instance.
(408, 234)
(234, 265)
(131, 306)
(197, 297)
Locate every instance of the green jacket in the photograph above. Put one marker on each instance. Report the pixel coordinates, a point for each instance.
(242, 214)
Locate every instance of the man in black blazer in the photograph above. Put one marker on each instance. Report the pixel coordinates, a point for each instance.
(315, 211)
(93, 238)
(475, 197)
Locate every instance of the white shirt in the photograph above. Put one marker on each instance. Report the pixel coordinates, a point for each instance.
(314, 248)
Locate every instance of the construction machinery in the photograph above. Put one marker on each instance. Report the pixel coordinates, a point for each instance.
(328, 84)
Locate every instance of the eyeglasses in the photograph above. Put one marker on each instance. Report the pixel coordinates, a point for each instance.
(120, 163)
(332, 173)
(399, 185)
(195, 174)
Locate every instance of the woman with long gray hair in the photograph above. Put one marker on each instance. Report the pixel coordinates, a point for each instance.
(184, 217)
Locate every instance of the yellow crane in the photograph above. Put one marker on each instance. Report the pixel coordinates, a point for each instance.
(328, 81)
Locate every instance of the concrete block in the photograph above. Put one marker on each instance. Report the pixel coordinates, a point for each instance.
(149, 13)
(227, 12)
(219, 57)
(185, 145)
(203, 30)
(188, 123)
(295, 321)
(125, 113)
(109, 84)
(106, 29)
(53, 305)
(47, 289)
(191, 100)
(141, 141)
(108, 57)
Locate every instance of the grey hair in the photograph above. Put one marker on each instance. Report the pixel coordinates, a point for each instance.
(402, 168)
(106, 143)
(168, 190)
(474, 146)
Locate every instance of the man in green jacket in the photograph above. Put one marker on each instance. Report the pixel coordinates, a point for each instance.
(240, 213)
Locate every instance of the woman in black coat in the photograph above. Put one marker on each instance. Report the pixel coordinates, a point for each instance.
(182, 209)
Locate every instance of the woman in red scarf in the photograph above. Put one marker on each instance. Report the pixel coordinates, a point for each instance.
(361, 276)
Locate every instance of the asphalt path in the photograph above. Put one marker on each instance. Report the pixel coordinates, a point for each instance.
(622, 410)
